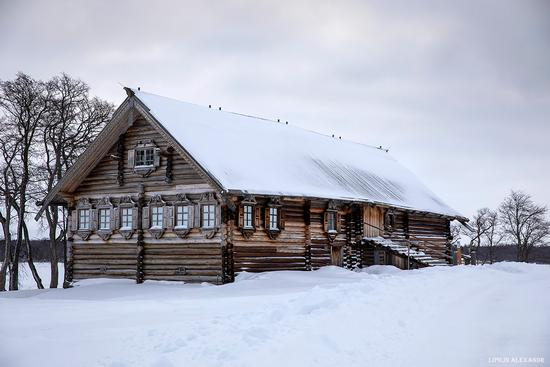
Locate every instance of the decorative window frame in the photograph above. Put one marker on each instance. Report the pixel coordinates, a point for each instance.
(105, 203)
(389, 220)
(155, 202)
(332, 209)
(209, 198)
(83, 204)
(274, 202)
(143, 144)
(183, 200)
(126, 202)
(249, 200)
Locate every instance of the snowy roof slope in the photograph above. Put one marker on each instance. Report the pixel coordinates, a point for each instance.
(261, 156)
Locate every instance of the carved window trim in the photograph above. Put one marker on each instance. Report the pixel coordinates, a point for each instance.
(145, 169)
(126, 202)
(183, 201)
(157, 203)
(274, 203)
(208, 199)
(332, 212)
(83, 204)
(105, 204)
(248, 202)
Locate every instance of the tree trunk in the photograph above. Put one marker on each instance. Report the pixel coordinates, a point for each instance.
(7, 256)
(29, 258)
(52, 217)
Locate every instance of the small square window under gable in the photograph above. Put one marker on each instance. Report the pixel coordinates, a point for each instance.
(144, 158)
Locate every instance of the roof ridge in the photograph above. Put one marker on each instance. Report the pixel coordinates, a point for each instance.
(265, 119)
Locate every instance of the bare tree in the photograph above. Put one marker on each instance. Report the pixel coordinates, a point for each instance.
(23, 103)
(479, 227)
(71, 123)
(524, 223)
(493, 235)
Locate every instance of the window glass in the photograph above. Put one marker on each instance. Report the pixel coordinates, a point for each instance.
(247, 216)
(273, 219)
(182, 216)
(104, 218)
(156, 216)
(126, 218)
(84, 219)
(331, 221)
(208, 216)
(145, 157)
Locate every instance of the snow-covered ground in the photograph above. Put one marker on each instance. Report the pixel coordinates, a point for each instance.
(460, 316)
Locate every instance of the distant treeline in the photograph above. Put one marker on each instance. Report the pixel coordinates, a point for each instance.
(40, 251)
(539, 254)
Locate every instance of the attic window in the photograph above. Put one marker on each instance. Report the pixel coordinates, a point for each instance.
(145, 157)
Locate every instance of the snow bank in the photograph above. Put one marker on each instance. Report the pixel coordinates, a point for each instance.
(459, 316)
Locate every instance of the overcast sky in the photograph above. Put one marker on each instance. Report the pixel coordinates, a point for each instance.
(458, 91)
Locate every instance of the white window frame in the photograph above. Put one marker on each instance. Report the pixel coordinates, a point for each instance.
(123, 211)
(185, 222)
(88, 218)
(145, 162)
(248, 216)
(331, 221)
(208, 216)
(273, 218)
(104, 219)
(157, 216)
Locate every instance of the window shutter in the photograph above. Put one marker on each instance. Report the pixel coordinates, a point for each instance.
(74, 220)
(218, 218)
(145, 217)
(266, 217)
(93, 219)
(240, 222)
(325, 221)
(131, 159)
(156, 157)
(167, 217)
(257, 215)
(197, 219)
(338, 222)
(134, 218)
(281, 213)
(114, 218)
(191, 209)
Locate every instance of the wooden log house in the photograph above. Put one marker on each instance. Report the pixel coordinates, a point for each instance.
(174, 191)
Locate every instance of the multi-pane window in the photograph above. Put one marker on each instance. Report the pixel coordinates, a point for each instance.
(104, 218)
(182, 216)
(331, 221)
(247, 212)
(84, 219)
(126, 218)
(208, 216)
(273, 218)
(156, 216)
(145, 157)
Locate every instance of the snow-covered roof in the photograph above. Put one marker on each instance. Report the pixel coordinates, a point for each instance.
(264, 157)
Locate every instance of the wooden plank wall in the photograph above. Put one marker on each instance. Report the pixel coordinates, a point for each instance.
(261, 253)
(431, 229)
(320, 244)
(103, 178)
(165, 258)
(373, 216)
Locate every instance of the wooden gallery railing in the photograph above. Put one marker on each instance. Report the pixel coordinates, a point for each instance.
(421, 244)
